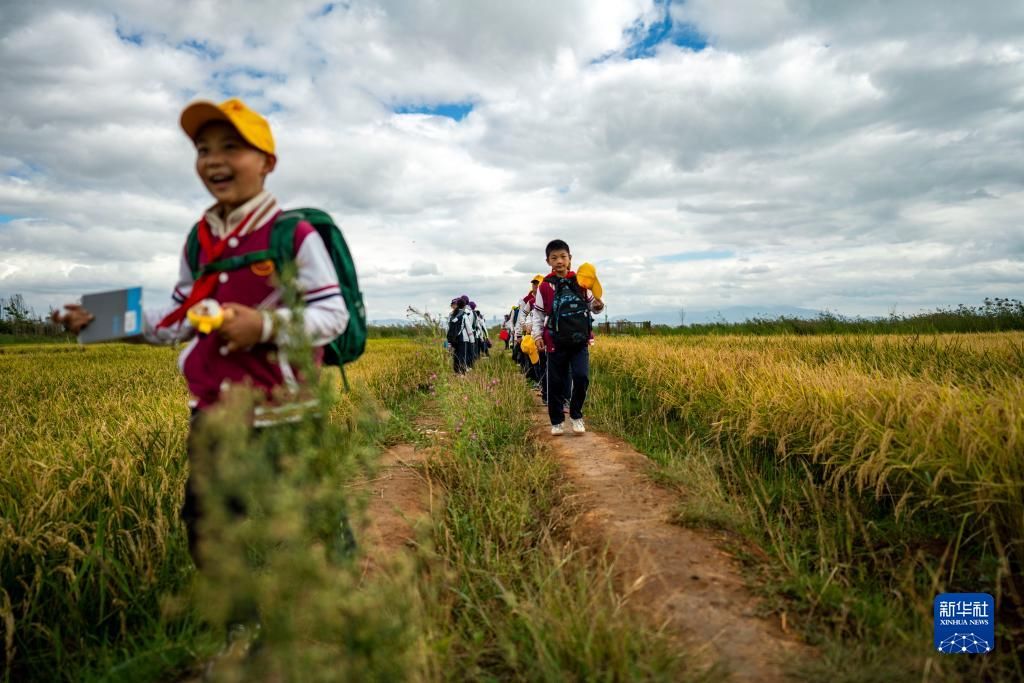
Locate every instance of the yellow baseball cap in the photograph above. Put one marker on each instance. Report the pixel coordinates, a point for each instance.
(537, 278)
(249, 124)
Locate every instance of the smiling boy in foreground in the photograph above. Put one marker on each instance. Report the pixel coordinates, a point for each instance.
(229, 263)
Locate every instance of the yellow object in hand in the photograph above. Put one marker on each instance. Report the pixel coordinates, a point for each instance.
(529, 347)
(586, 275)
(206, 316)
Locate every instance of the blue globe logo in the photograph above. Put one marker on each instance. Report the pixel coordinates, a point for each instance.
(964, 643)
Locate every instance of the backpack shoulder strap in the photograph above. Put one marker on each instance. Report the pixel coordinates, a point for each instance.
(192, 247)
(575, 284)
(282, 237)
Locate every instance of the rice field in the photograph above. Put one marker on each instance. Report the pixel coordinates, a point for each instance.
(878, 471)
(92, 473)
(860, 475)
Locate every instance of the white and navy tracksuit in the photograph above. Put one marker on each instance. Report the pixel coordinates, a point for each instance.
(482, 337)
(465, 340)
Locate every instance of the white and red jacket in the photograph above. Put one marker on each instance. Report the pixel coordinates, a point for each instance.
(525, 311)
(507, 325)
(542, 307)
(207, 366)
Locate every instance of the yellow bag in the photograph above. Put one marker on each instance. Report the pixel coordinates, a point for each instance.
(529, 347)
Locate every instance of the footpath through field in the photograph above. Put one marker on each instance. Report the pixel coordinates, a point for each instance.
(678, 576)
(400, 495)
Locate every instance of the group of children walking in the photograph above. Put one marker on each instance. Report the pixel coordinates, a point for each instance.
(230, 263)
(468, 338)
(549, 332)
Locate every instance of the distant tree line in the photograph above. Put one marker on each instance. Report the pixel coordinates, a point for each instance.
(421, 324)
(19, 319)
(996, 314)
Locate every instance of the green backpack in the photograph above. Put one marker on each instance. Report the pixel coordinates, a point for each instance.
(352, 342)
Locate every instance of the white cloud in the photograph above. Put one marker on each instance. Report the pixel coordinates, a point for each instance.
(851, 157)
(421, 268)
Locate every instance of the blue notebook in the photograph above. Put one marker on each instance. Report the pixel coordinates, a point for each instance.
(118, 315)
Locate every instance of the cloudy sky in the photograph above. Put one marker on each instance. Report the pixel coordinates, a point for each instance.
(858, 157)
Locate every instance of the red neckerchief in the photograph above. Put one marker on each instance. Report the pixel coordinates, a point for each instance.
(204, 286)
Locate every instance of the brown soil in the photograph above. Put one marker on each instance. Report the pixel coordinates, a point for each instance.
(680, 577)
(400, 495)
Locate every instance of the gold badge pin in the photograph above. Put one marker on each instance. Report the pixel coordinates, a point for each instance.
(262, 268)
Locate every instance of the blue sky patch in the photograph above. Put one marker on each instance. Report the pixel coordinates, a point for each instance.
(26, 170)
(257, 74)
(329, 7)
(223, 81)
(687, 36)
(126, 37)
(201, 48)
(453, 110)
(5, 218)
(644, 39)
(708, 255)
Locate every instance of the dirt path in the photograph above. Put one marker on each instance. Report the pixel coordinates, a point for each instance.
(400, 495)
(677, 575)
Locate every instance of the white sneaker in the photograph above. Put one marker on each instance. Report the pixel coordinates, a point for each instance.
(578, 426)
(558, 429)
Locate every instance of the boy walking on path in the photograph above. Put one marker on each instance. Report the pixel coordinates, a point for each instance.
(234, 154)
(562, 327)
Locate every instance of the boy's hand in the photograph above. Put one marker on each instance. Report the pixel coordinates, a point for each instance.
(242, 326)
(74, 320)
(598, 306)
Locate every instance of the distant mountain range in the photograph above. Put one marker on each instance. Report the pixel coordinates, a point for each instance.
(390, 322)
(730, 314)
(697, 316)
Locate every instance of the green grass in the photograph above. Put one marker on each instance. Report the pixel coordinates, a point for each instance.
(96, 580)
(834, 457)
(508, 597)
(7, 339)
(97, 583)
